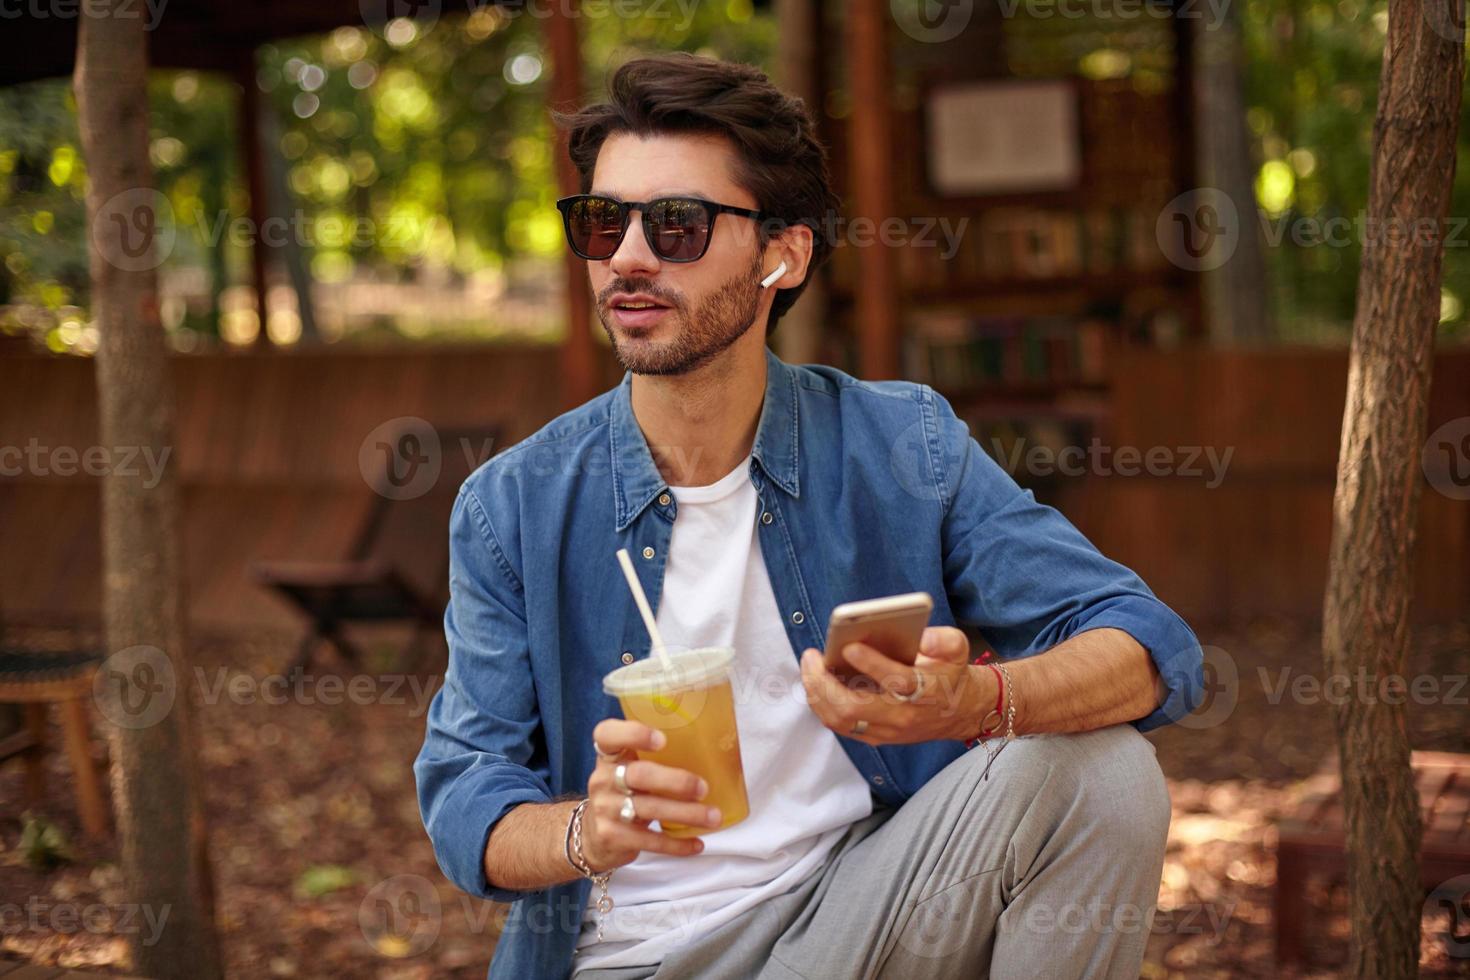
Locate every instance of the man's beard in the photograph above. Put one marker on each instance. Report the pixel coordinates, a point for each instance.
(700, 336)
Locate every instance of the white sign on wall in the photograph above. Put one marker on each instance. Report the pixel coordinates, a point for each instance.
(1003, 137)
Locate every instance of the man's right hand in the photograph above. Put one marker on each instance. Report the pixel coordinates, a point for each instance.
(660, 793)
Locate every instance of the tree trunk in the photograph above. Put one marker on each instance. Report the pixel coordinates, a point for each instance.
(280, 204)
(1236, 295)
(160, 822)
(1370, 578)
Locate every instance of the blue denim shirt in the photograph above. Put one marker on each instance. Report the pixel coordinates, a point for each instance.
(866, 489)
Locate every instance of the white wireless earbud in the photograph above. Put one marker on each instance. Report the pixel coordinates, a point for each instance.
(780, 271)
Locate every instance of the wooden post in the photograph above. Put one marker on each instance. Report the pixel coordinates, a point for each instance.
(76, 734)
(799, 68)
(253, 164)
(870, 150)
(155, 780)
(35, 716)
(1370, 572)
(578, 356)
(1186, 169)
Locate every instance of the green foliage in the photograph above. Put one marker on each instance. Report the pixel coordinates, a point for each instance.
(1312, 70)
(439, 143)
(323, 879)
(428, 151)
(404, 151)
(43, 845)
(42, 182)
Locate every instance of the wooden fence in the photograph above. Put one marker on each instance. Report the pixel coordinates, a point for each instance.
(268, 456)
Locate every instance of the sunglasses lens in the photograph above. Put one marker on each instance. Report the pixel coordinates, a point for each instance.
(595, 227)
(680, 228)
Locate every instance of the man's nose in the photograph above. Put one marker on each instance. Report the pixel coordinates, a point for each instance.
(633, 255)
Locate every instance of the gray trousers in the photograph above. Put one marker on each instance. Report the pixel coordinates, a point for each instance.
(1048, 866)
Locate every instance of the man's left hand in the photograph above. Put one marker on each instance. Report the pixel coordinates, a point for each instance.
(954, 695)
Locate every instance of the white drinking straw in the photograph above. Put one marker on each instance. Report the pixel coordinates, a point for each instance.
(637, 589)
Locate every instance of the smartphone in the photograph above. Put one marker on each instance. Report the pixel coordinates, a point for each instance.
(893, 625)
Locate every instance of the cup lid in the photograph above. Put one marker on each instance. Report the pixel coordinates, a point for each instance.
(690, 669)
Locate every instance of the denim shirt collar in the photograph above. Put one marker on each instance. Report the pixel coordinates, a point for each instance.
(636, 480)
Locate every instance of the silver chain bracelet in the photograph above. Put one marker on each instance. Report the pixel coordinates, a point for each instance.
(1010, 702)
(578, 861)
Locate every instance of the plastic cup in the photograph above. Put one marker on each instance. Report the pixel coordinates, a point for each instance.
(692, 703)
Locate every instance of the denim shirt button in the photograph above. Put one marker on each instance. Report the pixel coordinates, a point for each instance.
(627, 657)
(766, 518)
(798, 618)
(877, 780)
(663, 499)
(647, 552)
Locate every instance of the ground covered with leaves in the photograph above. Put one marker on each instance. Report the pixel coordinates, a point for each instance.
(323, 870)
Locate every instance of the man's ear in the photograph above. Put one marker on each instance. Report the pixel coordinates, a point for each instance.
(792, 245)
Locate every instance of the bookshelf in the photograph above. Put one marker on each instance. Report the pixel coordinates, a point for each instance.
(1016, 312)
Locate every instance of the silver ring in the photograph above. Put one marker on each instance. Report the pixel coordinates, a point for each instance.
(861, 726)
(628, 813)
(620, 779)
(917, 692)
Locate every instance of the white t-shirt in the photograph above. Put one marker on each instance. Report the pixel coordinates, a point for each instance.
(803, 789)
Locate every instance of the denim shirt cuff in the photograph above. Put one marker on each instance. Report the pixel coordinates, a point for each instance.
(1172, 646)
(470, 812)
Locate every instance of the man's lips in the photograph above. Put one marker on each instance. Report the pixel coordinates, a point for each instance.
(637, 310)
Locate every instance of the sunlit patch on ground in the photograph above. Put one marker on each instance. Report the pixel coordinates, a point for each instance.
(323, 869)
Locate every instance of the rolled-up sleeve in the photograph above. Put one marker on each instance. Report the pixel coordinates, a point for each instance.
(483, 728)
(1023, 575)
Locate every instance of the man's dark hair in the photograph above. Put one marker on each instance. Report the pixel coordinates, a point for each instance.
(778, 157)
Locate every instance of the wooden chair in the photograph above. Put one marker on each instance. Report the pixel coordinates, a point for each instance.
(34, 679)
(373, 583)
(1312, 838)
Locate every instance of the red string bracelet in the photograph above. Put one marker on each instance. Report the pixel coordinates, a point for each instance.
(1000, 693)
(1000, 697)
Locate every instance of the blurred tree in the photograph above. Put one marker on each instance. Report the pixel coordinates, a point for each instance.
(43, 180)
(1311, 72)
(429, 149)
(1237, 301)
(160, 821)
(1370, 582)
(43, 264)
(417, 150)
(414, 149)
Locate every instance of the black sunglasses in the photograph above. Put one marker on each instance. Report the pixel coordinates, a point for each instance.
(676, 228)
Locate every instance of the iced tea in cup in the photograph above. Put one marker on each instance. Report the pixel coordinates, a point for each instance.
(691, 702)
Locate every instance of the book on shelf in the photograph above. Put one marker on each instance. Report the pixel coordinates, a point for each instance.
(956, 351)
(1012, 244)
(1005, 246)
